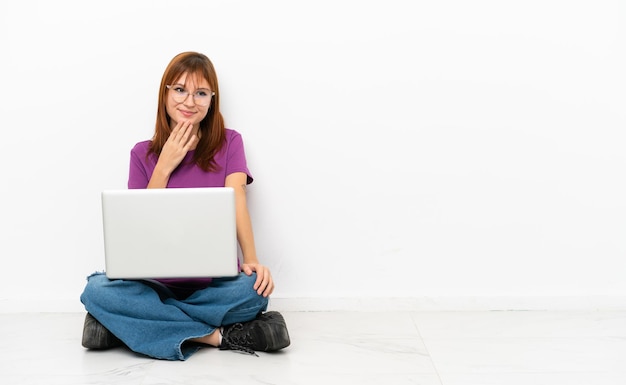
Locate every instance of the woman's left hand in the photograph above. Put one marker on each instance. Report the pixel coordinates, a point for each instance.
(264, 284)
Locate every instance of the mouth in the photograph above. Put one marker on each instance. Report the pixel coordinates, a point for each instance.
(186, 113)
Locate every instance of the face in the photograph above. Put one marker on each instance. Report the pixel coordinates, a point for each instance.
(190, 108)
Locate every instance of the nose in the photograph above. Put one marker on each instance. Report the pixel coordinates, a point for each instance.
(193, 100)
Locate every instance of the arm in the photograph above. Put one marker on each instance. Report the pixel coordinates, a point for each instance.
(264, 284)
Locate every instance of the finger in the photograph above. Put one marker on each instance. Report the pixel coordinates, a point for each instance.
(180, 130)
(269, 290)
(260, 275)
(187, 129)
(176, 130)
(189, 139)
(258, 282)
(191, 142)
(261, 287)
(247, 270)
(265, 283)
(269, 287)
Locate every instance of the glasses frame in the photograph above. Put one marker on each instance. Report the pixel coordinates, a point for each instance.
(169, 87)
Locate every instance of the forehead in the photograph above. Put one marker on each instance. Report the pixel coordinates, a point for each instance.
(192, 81)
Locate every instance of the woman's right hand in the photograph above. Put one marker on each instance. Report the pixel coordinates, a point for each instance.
(178, 144)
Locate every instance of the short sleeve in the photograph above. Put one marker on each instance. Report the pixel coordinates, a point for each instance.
(138, 174)
(236, 156)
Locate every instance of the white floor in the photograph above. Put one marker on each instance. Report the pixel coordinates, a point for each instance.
(444, 348)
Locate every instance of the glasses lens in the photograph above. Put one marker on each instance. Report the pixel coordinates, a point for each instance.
(179, 94)
(202, 98)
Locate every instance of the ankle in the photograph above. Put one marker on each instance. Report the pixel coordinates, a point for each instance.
(213, 339)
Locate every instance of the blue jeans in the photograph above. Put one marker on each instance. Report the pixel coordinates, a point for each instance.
(152, 321)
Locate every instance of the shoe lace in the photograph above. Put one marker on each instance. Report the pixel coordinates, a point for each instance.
(238, 340)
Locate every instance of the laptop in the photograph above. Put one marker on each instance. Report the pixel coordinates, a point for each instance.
(170, 233)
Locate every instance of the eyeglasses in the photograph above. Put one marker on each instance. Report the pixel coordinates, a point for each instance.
(202, 97)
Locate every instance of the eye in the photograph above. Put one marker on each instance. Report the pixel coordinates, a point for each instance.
(179, 89)
(202, 93)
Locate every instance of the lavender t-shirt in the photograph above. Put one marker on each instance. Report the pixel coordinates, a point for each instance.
(230, 159)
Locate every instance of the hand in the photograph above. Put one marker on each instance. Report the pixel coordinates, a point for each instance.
(264, 284)
(178, 144)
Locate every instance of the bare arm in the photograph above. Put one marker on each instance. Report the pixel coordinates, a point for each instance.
(264, 284)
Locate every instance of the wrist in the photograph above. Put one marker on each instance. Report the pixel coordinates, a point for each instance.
(159, 178)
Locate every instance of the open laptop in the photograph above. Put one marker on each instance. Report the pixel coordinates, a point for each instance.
(169, 233)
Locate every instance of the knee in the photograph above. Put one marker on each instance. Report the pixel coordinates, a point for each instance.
(244, 289)
(247, 284)
(254, 299)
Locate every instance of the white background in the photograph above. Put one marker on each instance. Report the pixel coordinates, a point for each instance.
(418, 150)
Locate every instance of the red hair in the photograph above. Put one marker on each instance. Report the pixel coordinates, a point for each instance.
(212, 131)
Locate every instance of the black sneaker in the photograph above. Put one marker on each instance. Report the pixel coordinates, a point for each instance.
(96, 336)
(266, 333)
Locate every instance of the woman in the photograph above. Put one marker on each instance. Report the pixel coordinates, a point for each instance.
(172, 318)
